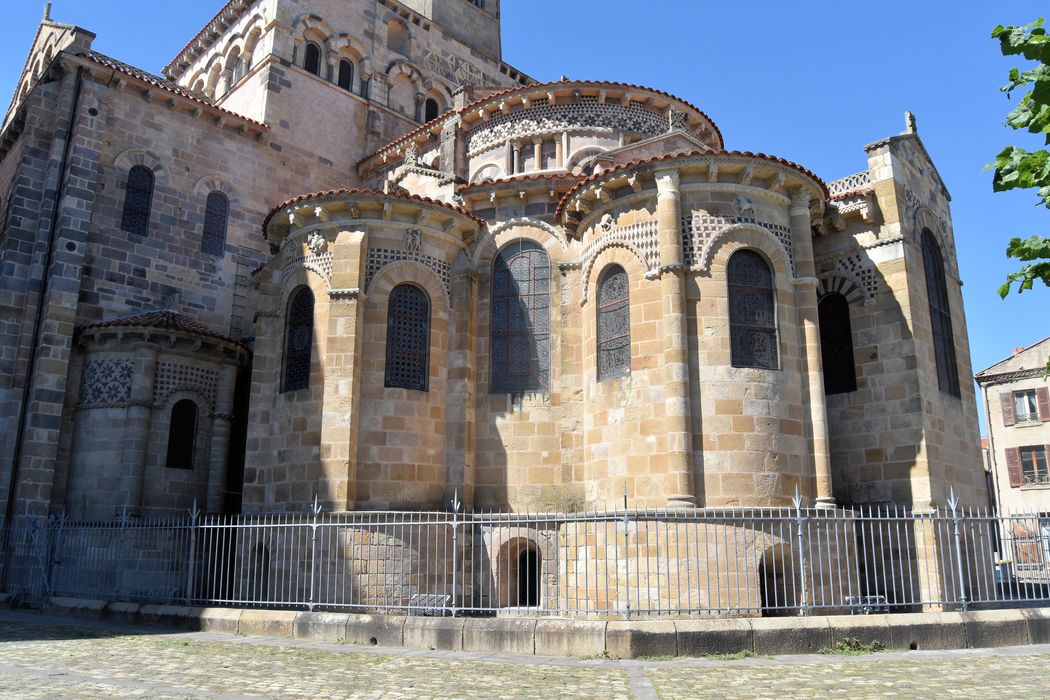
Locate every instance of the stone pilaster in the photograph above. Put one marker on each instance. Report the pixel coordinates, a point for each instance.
(809, 325)
(137, 428)
(219, 452)
(676, 360)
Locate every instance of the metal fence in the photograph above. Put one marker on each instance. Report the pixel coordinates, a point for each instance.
(632, 563)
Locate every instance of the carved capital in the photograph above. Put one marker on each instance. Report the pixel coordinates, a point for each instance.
(800, 199)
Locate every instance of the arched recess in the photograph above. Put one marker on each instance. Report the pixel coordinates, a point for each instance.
(492, 171)
(212, 183)
(841, 283)
(131, 157)
(519, 565)
(590, 268)
(751, 235)
(925, 220)
(550, 237)
(577, 159)
(413, 272)
(398, 36)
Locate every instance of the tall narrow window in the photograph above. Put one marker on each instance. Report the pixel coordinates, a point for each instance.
(312, 61)
(346, 75)
(521, 353)
(299, 341)
(940, 316)
(138, 200)
(182, 435)
(216, 216)
(614, 324)
(836, 345)
(431, 109)
(407, 338)
(752, 311)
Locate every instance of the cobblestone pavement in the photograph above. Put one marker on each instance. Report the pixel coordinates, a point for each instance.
(43, 657)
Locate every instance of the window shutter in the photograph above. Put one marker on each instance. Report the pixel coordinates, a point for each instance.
(1042, 397)
(1007, 400)
(1013, 466)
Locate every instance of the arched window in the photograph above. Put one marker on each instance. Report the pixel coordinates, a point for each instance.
(216, 215)
(407, 338)
(137, 201)
(940, 316)
(312, 61)
(520, 326)
(752, 311)
(431, 109)
(836, 345)
(346, 75)
(299, 340)
(614, 324)
(182, 435)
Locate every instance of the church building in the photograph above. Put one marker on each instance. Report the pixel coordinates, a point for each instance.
(339, 250)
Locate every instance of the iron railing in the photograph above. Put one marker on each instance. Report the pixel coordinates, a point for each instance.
(631, 563)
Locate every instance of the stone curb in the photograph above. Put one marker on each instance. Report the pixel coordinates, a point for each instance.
(589, 638)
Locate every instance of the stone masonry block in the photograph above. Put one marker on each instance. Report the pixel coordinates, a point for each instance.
(1038, 625)
(122, 612)
(718, 636)
(505, 636)
(926, 631)
(631, 640)
(790, 635)
(580, 638)
(995, 628)
(443, 633)
(375, 630)
(321, 627)
(267, 623)
(220, 620)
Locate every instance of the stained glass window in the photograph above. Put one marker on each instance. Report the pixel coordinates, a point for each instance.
(299, 341)
(182, 435)
(836, 345)
(614, 324)
(407, 338)
(940, 316)
(137, 201)
(312, 61)
(752, 311)
(216, 215)
(346, 75)
(520, 325)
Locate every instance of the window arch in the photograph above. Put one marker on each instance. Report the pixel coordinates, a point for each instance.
(346, 75)
(752, 311)
(940, 316)
(216, 217)
(407, 338)
(520, 324)
(312, 59)
(836, 345)
(138, 200)
(431, 109)
(299, 339)
(614, 324)
(182, 435)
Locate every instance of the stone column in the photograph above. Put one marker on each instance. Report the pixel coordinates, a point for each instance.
(516, 162)
(137, 428)
(537, 154)
(809, 326)
(219, 451)
(676, 359)
(559, 152)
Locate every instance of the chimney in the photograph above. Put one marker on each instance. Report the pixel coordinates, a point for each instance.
(1018, 351)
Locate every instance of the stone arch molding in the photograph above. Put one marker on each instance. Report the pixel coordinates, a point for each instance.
(215, 183)
(402, 272)
(925, 219)
(588, 264)
(307, 22)
(140, 156)
(488, 240)
(777, 253)
(402, 66)
(842, 283)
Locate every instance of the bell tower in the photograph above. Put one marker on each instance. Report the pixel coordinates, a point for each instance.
(475, 23)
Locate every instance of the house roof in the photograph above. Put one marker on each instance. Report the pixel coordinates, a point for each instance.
(999, 367)
(414, 198)
(162, 320)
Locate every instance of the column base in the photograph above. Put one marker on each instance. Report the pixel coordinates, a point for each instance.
(678, 501)
(825, 503)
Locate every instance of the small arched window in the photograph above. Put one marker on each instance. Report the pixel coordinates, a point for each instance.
(216, 216)
(614, 324)
(431, 109)
(407, 338)
(940, 316)
(836, 345)
(346, 75)
(752, 311)
(520, 325)
(138, 200)
(299, 340)
(312, 61)
(182, 435)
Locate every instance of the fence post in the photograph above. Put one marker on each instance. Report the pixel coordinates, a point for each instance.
(799, 524)
(191, 570)
(626, 552)
(953, 503)
(58, 524)
(455, 546)
(315, 512)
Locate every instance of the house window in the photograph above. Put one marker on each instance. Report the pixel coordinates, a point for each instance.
(138, 200)
(407, 338)
(1025, 407)
(299, 340)
(614, 324)
(940, 316)
(836, 345)
(312, 62)
(478, 3)
(431, 110)
(216, 215)
(752, 311)
(1033, 465)
(182, 435)
(346, 75)
(520, 325)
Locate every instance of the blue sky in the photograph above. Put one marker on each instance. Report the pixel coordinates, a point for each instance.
(812, 82)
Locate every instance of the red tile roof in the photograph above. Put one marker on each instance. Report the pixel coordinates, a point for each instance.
(201, 33)
(163, 320)
(373, 193)
(520, 178)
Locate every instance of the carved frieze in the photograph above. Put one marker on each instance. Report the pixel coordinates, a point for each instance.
(106, 383)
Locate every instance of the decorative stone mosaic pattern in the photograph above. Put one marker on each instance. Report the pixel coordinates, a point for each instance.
(640, 237)
(173, 377)
(320, 263)
(378, 258)
(856, 267)
(106, 383)
(700, 230)
(546, 119)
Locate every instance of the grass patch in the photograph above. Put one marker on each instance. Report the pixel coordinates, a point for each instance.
(851, 646)
(734, 656)
(660, 657)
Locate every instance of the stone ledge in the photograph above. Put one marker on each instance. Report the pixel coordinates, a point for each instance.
(563, 637)
(321, 627)
(995, 628)
(717, 636)
(790, 635)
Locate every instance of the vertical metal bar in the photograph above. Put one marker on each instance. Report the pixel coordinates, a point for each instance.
(953, 503)
(803, 611)
(191, 568)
